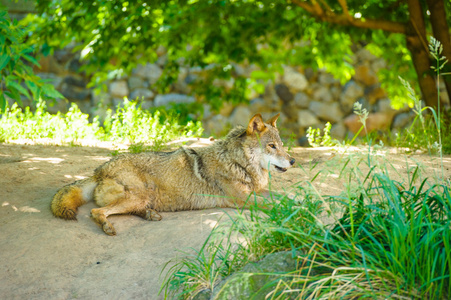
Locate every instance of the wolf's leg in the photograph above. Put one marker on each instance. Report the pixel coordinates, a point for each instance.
(119, 199)
(149, 214)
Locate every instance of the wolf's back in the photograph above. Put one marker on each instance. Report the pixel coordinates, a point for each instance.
(67, 200)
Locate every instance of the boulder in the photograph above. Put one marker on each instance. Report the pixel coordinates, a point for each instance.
(323, 94)
(141, 94)
(168, 99)
(240, 116)
(306, 118)
(136, 82)
(119, 89)
(301, 99)
(251, 280)
(350, 94)
(375, 121)
(283, 92)
(327, 111)
(295, 81)
(365, 75)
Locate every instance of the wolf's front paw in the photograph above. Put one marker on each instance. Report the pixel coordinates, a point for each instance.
(152, 215)
(108, 228)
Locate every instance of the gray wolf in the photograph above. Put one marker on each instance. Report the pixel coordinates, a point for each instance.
(223, 174)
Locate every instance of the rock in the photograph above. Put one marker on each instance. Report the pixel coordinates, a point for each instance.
(146, 104)
(72, 92)
(375, 93)
(351, 93)
(306, 118)
(283, 92)
(168, 99)
(101, 97)
(338, 131)
(257, 105)
(364, 55)
(141, 94)
(376, 121)
(327, 79)
(49, 65)
(295, 81)
(303, 142)
(323, 94)
(384, 105)
(226, 109)
(119, 89)
(75, 81)
(240, 116)
(378, 64)
(74, 65)
(223, 83)
(326, 111)
(364, 75)
(302, 100)
(136, 82)
(181, 85)
(153, 73)
(403, 120)
(217, 125)
(250, 281)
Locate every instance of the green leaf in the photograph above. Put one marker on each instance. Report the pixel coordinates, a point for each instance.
(31, 59)
(2, 102)
(15, 85)
(4, 59)
(49, 90)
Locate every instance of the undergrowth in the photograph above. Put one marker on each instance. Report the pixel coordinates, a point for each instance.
(128, 123)
(378, 238)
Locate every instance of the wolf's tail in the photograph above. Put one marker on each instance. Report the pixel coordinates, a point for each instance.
(67, 200)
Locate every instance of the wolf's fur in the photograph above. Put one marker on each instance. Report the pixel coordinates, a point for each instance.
(219, 175)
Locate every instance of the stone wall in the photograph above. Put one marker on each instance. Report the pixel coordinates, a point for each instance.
(303, 97)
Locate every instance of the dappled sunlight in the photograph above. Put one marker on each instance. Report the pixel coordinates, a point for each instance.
(52, 160)
(25, 208)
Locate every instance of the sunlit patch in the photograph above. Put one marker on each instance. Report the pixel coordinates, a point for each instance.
(211, 223)
(79, 177)
(5, 203)
(29, 209)
(68, 176)
(52, 160)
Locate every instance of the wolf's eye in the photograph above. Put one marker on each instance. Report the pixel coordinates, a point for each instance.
(272, 146)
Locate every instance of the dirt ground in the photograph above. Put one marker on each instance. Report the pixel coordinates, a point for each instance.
(42, 257)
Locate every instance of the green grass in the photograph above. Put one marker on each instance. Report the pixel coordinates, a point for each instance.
(129, 124)
(388, 239)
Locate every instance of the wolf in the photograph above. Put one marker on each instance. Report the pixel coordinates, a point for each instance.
(223, 174)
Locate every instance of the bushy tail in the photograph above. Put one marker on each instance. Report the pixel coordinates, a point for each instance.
(67, 200)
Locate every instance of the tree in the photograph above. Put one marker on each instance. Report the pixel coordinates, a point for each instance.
(16, 59)
(118, 34)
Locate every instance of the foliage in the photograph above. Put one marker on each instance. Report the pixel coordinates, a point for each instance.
(388, 239)
(214, 35)
(127, 124)
(316, 140)
(16, 65)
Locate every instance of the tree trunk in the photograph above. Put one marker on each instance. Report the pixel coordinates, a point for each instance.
(440, 30)
(418, 46)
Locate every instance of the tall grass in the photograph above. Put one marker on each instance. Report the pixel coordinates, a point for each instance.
(390, 240)
(379, 238)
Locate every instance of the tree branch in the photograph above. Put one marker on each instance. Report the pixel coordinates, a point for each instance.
(346, 20)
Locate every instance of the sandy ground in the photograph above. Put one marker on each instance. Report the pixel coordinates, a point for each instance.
(42, 257)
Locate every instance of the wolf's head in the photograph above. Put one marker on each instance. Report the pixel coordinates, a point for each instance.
(272, 157)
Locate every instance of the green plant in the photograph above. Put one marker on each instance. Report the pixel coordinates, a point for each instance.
(316, 140)
(388, 239)
(130, 124)
(16, 62)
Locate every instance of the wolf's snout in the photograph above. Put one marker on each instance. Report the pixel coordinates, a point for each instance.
(292, 161)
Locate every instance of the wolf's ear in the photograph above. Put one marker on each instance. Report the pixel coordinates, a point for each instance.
(256, 125)
(273, 120)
